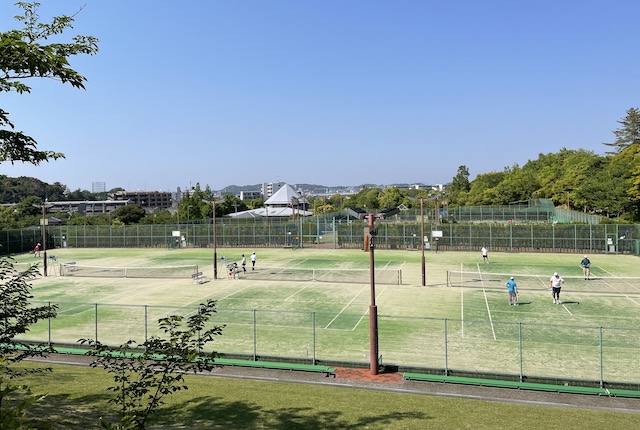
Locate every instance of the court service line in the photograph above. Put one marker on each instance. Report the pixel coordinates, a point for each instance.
(282, 269)
(611, 286)
(105, 300)
(486, 301)
(345, 307)
(301, 289)
(614, 276)
(565, 308)
(386, 265)
(366, 312)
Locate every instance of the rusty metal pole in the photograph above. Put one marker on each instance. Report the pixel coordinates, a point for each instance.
(373, 309)
(215, 250)
(44, 240)
(424, 270)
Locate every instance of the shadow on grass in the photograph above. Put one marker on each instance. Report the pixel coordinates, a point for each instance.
(62, 411)
(211, 412)
(65, 412)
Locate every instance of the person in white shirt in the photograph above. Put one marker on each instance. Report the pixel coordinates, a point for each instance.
(555, 283)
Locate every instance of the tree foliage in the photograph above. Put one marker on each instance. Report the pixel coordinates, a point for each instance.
(628, 133)
(144, 374)
(24, 54)
(129, 214)
(17, 314)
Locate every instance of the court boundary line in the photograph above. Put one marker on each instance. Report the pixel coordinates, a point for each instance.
(486, 301)
(345, 307)
(367, 311)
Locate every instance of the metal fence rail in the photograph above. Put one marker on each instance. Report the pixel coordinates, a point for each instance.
(524, 351)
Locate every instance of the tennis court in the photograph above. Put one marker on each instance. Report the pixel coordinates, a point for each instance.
(593, 335)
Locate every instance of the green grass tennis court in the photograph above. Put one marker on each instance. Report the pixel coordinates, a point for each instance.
(593, 335)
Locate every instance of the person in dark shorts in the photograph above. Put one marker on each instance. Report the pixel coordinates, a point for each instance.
(555, 283)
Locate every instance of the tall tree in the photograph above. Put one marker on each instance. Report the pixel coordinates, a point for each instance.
(629, 132)
(459, 184)
(25, 54)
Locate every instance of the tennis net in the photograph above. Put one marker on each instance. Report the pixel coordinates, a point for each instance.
(382, 276)
(178, 272)
(606, 285)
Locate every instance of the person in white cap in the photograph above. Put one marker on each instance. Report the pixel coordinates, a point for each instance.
(512, 287)
(586, 264)
(555, 284)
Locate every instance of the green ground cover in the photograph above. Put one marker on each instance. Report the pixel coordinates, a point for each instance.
(221, 403)
(470, 329)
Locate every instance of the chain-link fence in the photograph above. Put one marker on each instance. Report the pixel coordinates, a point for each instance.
(338, 232)
(604, 356)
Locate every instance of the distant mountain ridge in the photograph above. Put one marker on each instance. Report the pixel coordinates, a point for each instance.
(316, 189)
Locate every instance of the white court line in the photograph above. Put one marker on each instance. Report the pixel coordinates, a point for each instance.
(300, 290)
(386, 265)
(366, 312)
(565, 308)
(104, 300)
(282, 269)
(630, 298)
(486, 301)
(345, 307)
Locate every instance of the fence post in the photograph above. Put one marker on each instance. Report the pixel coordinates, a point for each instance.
(313, 329)
(520, 346)
(49, 327)
(446, 352)
(96, 321)
(601, 361)
(255, 337)
(511, 237)
(146, 328)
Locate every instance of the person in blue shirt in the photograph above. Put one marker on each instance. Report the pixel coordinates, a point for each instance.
(586, 265)
(512, 287)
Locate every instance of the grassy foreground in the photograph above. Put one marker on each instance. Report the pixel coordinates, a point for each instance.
(77, 397)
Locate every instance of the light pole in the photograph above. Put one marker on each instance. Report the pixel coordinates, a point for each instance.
(215, 250)
(424, 272)
(44, 239)
(373, 309)
(188, 224)
(235, 206)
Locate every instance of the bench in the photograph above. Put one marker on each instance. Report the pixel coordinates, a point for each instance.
(199, 278)
(276, 365)
(571, 389)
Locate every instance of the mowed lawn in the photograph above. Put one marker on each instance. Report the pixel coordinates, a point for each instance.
(77, 398)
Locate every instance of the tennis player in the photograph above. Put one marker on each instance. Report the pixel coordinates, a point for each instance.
(512, 287)
(555, 283)
(586, 265)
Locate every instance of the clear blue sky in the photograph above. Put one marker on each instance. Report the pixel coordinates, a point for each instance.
(332, 92)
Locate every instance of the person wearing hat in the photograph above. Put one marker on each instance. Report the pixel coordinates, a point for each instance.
(512, 287)
(555, 283)
(586, 264)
